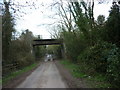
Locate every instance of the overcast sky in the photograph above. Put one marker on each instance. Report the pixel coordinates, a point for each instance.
(35, 19)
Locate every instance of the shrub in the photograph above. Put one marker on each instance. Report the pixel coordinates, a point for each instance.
(113, 68)
(103, 58)
(74, 44)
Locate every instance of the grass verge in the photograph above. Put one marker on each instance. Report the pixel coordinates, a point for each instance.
(95, 81)
(17, 73)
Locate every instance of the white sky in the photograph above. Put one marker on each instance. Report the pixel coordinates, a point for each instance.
(36, 18)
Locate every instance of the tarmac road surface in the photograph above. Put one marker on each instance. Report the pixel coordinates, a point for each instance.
(45, 76)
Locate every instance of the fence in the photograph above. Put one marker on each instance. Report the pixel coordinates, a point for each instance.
(7, 69)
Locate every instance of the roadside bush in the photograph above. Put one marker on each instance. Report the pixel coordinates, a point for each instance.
(103, 58)
(96, 56)
(26, 60)
(113, 68)
(20, 56)
(74, 44)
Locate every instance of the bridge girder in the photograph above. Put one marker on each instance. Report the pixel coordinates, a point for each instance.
(47, 42)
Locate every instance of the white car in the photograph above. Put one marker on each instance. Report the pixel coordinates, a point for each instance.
(49, 57)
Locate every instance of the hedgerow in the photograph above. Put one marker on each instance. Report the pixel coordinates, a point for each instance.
(103, 58)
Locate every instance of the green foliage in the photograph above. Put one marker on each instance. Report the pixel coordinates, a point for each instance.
(95, 46)
(56, 50)
(82, 21)
(40, 51)
(93, 81)
(75, 44)
(16, 52)
(112, 25)
(20, 54)
(100, 19)
(73, 68)
(103, 58)
(7, 29)
(113, 69)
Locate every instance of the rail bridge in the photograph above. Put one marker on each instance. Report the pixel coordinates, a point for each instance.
(47, 42)
(39, 42)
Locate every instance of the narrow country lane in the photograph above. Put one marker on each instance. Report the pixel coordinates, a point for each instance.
(45, 76)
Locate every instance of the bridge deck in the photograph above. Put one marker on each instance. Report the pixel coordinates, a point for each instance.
(47, 42)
